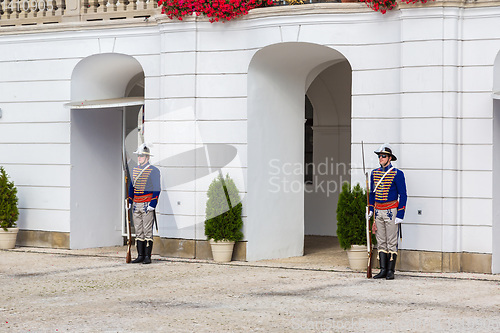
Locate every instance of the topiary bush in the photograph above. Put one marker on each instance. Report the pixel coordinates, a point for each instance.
(8, 202)
(351, 220)
(223, 211)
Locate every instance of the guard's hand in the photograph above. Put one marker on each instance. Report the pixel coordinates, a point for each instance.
(150, 209)
(370, 214)
(129, 206)
(398, 220)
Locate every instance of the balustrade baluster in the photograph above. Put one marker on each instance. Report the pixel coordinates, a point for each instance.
(52, 8)
(151, 4)
(33, 9)
(10, 9)
(132, 5)
(112, 5)
(103, 6)
(121, 5)
(94, 4)
(13, 14)
(28, 8)
(17, 9)
(3, 10)
(61, 4)
(41, 8)
(85, 6)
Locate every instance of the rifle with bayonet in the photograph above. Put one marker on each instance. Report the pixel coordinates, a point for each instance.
(368, 219)
(128, 258)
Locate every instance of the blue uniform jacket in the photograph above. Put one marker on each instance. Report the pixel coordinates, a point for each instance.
(147, 186)
(392, 187)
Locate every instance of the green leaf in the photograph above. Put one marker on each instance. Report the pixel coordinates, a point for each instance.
(9, 212)
(351, 221)
(223, 211)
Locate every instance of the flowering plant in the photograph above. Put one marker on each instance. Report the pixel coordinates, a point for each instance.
(215, 10)
(384, 5)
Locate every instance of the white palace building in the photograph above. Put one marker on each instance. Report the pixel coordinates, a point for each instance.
(255, 98)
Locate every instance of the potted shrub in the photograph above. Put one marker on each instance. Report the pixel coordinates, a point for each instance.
(223, 217)
(351, 225)
(8, 212)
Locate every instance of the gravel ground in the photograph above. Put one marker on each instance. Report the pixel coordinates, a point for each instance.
(45, 290)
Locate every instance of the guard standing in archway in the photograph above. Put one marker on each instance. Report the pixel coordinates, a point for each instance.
(143, 194)
(388, 200)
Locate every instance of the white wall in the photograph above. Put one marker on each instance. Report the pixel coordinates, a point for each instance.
(426, 91)
(35, 131)
(200, 127)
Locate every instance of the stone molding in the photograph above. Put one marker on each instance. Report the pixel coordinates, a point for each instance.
(38, 238)
(193, 249)
(446, 262)
(408, 260)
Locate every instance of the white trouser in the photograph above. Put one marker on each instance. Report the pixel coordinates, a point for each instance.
(143, 221)
(387, 230)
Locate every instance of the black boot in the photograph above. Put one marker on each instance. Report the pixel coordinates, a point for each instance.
(140, 252)
(383, 256)
(392, 266)
(149, 249)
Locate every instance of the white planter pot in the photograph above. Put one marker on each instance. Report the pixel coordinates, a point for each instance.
(358, 257)
(222, 251)
(8, 238)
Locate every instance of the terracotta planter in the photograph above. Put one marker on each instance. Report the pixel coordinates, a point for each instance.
(8, 238)
(358, 257)
(222, 251)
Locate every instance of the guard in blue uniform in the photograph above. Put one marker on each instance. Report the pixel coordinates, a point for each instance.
(143, 194)
(388, 202)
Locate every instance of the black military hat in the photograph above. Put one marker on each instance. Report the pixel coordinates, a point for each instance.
(386, 149)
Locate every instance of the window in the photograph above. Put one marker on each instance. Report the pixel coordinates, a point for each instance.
(308, 144)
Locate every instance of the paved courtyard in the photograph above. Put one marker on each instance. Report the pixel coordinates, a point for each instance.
(46, 290)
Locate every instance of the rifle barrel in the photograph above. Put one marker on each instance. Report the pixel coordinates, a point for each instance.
(368, 229)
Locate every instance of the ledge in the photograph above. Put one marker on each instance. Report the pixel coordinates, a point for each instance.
(306, 9)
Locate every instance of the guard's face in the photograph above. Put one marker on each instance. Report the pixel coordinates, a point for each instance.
(384, 159)
(142, 159)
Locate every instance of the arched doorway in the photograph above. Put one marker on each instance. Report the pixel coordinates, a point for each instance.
(330, 97)
(107, 91)
(279, 78)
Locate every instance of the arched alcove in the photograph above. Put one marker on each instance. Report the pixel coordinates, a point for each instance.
(107, 91)
(330, 96)
(104, 76)
(278, 79)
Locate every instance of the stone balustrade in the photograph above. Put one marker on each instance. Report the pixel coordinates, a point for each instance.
(38, 12)
(17, 13)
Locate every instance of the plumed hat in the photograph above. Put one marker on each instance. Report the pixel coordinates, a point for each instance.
(144, 149)
(386, 149)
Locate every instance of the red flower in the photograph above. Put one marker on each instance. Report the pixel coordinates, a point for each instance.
(384, 5)
(215, 10)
